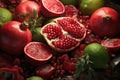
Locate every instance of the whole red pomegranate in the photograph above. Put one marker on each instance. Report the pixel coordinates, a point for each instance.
(25, 8)
(105, 22)
(13, 37)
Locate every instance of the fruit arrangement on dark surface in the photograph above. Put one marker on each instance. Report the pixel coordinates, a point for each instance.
(59, 40)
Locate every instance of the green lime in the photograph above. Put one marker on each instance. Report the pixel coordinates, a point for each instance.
(97, 54)
(5, 16)
(34, 78)
(70, 2)
(87, 7)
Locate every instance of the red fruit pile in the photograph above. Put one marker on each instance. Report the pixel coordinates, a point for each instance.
(64, 32)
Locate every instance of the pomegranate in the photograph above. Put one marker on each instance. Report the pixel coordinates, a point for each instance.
(25, 8)
(59, 63)
(13, 37)
(112, 44)
(52, 8)
(78, 52)
(70, 68)
(105, 22)
(37, 53)
(64, 33)
(90, 38)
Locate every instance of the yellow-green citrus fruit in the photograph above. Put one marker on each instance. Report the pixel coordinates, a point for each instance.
(87, 7)
(5, 16)
(34, 78)
(97, 54)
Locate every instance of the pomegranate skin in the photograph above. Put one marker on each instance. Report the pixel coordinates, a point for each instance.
(13, 38)
(26, 7)
(105, 22)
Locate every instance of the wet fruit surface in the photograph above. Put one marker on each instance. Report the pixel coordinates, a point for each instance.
(60, 40)
(97, 52)
(5, 16)
(105, 22)
(89, 6)
(38, 52)
(64, 34)
(13, 37)
(52, 8)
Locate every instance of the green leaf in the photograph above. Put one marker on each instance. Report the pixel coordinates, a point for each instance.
(29, 17)
(22, 16)
(84, 65)
(35, 14)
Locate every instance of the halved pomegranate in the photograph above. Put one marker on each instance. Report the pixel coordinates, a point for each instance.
(52, 8)
(37, 53)
(111, 44)
(64, 33)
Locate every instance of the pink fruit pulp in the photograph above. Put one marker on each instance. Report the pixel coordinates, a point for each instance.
(37, 51)
(64, 33)
(111, 44)
(52, 8)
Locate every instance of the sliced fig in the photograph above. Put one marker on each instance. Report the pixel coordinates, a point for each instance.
(111, 44)
(63, 33)
(37, 53)
(52, 8)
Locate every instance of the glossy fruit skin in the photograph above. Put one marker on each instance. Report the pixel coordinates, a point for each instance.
(37, 53)
(112, 45)
(5, 16)
(98, 55)
(34, 78)
(87, 7)
(13, 37)
(26, 7)
(63, 33)
(105, 22)
(51, 11)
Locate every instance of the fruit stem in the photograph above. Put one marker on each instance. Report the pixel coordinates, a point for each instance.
(107, 17)
(32, 22)
(24, 25)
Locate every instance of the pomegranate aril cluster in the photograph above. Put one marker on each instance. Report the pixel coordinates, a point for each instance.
(64, 65)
